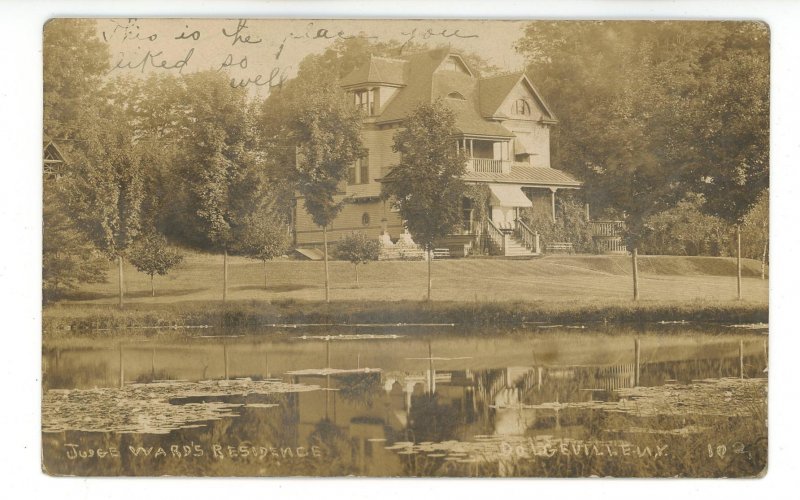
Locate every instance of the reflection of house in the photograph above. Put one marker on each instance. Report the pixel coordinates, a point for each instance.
(503, 124)
(362, 426)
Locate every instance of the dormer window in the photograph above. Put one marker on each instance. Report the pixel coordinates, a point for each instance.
(367, 100)
(521, 107)
(457, 96)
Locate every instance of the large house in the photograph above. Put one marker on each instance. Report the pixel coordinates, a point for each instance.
(503, 123)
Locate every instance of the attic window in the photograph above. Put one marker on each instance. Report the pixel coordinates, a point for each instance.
(454, 63)
(456, 95)
(521, 107)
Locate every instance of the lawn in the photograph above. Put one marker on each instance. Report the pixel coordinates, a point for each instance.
(550, 279)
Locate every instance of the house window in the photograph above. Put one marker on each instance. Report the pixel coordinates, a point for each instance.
(358, 173)
(365, 219)
(453, 63)
(351, 174)
(367, 100)
(521, 107)
(467, 212)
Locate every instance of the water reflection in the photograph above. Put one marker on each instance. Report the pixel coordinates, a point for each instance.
(413, 406)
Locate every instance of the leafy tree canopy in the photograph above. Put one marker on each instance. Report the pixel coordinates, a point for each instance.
(75, 63)
(152, 255)
(426, 185)
(642, 107)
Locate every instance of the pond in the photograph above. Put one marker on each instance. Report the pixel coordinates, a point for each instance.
(661, 401)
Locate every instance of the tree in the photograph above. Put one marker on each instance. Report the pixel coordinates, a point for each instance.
(729, 143)
(218, 164)
(152, 255)
(106, 191)
(68, 259)
(426, 185)
(263, 237)
(75, 62)
(625, 93)
(756, 231)
(326, 129)
(357, 248)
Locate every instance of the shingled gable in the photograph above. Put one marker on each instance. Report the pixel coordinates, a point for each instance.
(494, 90)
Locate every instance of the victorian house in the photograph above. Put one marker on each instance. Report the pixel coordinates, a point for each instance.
(504, 125)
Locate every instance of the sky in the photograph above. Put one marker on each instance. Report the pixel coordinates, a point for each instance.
(259, 53)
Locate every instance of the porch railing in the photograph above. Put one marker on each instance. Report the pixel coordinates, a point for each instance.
(495, 237)
(486, 165)
(607, 235)
(607, 227)
(527, 236)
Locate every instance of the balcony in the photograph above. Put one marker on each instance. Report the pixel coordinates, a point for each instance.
(489, 166)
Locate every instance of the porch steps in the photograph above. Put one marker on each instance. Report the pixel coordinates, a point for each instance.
(514, 248)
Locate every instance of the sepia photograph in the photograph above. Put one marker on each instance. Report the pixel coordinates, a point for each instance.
(405, 247)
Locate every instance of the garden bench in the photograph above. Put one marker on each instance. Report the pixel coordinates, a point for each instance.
(441, 253)
(559, 246)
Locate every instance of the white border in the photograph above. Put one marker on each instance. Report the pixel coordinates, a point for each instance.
(20, 213)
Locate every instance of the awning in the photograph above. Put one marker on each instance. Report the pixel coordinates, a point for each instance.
(524, 144)
(508, 196)
(519, 147)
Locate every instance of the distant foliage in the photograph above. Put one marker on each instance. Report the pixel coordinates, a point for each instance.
(686, 230)
(152, 255)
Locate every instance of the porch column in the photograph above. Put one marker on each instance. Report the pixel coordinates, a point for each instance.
(553, 202)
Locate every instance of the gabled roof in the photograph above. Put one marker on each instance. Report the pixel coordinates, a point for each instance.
(379, 70)
(422, 83)
(494, 90)
(51, 153)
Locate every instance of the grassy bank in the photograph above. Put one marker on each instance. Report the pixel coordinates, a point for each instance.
(556, 278)
(85, 317)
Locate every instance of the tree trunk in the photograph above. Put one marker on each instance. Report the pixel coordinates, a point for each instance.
(265, 275)
(764, 260)
(356, 266)
(325, 254)
(225, 274)
(430, 258)
(152, 286)
(121, 281)
(635, 265)
(738, 262)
